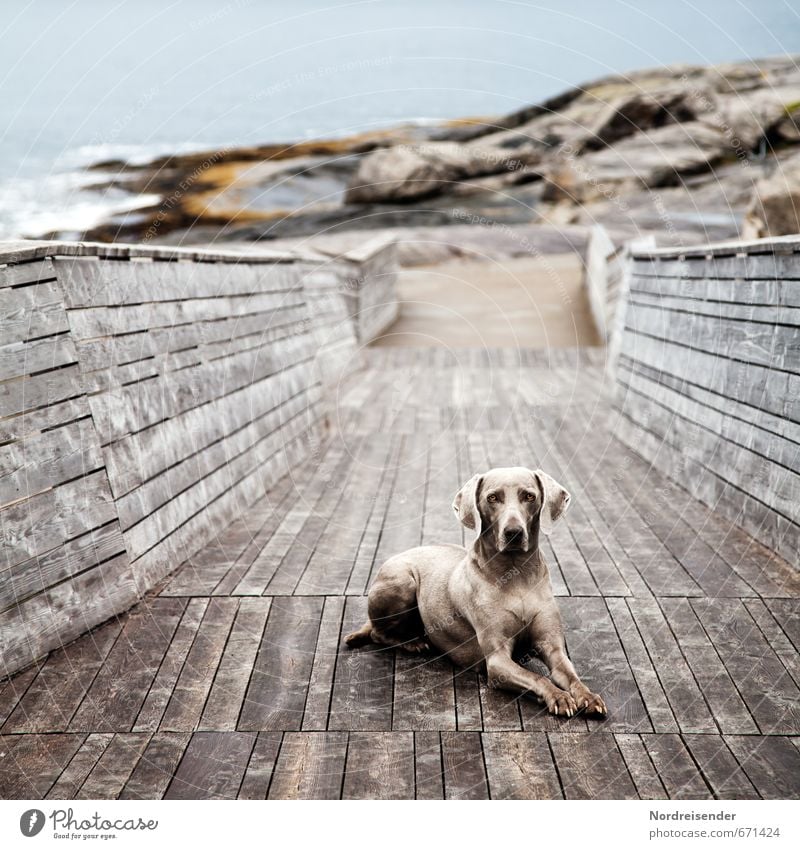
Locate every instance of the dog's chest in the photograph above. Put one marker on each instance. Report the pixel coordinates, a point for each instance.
(520, 606)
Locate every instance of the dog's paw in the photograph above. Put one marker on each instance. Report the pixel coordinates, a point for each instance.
(416, 646)
(591, 703)
(561, 703)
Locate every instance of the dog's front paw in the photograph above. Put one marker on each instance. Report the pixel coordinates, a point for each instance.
(416, 646)
(561, 703)
(590, 702)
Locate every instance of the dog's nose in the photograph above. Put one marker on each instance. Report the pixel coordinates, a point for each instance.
(513, 537)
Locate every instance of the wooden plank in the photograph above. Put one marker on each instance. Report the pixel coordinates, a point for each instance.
(772, 528)
(144, 453)
(40, 390)
(464, 766)
(519, 766)
(769, 344)
(160, 692)
(774, 484)
(114, 767)
(31, 312)
(212, 766)
(320, 685)
(591, 767)
(131, 409)
(14, 689)
(47, 570)
(647, 680)
(468, 700)
(227, 694)
(771, 763)
(663, 573)
(766, 687)
(117, 693)
(640, 766)
(719, 767)
(91, 322)
(424, 695)
(334, 542)
(787, 614)
(756, 386)
(598, 656)
(278, 686)
(266, 564)
(364, 564)
(51, 518)
(32, 763)
(299, 571)
(65, 612)
(258, 473)
(362, 689)
(37, 355)
(260, 434)
(755, 433)
(685, 698)
(379, 766)
(730, 712)
(27, 424)
(194, 683)
(675, 767)
(203, 573)
(213, 486)
(277, 502)
(428, 769)
(775, 636)
(701, 561)
(71, 780)
(766, 572)
(63, 680)
(310, 766)
(734, 412)
(261, 766)
(158, 763)
(24, 273)
(91, 281)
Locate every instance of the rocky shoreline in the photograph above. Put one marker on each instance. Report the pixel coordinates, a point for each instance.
(688, 153)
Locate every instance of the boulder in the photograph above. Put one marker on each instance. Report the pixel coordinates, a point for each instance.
(775, 206)
(408, 172)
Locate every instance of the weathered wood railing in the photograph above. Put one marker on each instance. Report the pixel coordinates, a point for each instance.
(709, 378)
(147, 396)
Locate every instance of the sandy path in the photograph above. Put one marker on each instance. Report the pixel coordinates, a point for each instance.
(532, 302)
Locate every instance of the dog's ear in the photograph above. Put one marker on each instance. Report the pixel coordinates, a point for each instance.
(555, 501)
(466, 504)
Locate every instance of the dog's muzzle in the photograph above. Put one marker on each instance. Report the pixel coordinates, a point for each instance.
(514, 539)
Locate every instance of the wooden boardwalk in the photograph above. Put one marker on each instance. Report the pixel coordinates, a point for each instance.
(230, 680)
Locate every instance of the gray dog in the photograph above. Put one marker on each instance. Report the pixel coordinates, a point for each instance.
(488, 603)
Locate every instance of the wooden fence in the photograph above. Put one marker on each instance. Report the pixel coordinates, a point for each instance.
(709, 378)
(147, 397)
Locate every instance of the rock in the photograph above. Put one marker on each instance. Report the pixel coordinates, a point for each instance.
(627, 116)
(603, 151)
(408, 172)
(660, 157)
(775, 207)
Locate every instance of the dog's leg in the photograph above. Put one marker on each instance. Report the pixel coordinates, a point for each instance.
(549, 643)
(505, 674)
(361, 637)
(368, 634)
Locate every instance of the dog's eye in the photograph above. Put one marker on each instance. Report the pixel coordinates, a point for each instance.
(491, 498)
(529, 496)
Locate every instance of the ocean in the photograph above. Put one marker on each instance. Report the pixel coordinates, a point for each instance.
(88, 81)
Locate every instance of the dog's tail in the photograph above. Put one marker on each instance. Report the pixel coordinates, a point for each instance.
(361, 637)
